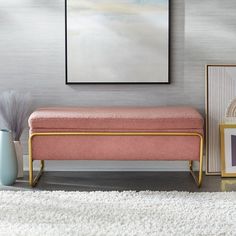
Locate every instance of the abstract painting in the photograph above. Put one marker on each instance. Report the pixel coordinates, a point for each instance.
(117, 41)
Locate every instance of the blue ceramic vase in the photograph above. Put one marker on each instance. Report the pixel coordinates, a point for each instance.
(8, 161)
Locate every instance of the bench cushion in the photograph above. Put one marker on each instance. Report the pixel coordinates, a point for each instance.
(115, 119)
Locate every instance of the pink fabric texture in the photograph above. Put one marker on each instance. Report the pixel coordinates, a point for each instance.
(115, 148)
(116, 119)
(152, 119)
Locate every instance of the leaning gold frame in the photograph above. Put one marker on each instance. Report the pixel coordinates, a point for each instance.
(207, 172)
(222, 151)
(33, 181)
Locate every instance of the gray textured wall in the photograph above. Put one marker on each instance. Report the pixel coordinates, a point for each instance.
(210, 36)
(32, 54)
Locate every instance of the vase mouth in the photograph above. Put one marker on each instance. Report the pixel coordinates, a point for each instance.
(6, 130)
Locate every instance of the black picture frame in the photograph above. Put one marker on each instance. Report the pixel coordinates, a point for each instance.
(80, 83)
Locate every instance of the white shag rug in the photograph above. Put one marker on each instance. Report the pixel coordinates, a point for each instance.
(117, 213)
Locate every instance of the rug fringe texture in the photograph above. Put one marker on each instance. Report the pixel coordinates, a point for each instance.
(117, 213)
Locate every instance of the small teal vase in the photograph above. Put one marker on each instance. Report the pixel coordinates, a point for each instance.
(8, 161)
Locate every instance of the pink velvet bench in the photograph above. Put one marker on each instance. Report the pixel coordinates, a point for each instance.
(121, 133)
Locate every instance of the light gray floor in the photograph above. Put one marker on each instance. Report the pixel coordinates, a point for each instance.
(121, 181)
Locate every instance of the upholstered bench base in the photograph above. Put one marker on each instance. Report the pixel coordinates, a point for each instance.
(115, 134)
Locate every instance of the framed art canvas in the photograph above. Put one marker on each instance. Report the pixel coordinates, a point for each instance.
(228, 150)
(117, 41)
(220, 91)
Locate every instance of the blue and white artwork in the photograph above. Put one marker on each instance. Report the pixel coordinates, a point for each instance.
(117, 41)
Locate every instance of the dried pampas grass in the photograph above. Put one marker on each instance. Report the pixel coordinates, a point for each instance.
(15, 108)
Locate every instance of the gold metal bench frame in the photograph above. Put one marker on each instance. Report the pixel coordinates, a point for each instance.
(33, 181)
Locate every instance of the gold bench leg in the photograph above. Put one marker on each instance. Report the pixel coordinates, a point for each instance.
(33, 181)
(198, 179)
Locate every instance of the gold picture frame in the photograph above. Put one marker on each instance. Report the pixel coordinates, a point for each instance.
(224, 172)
